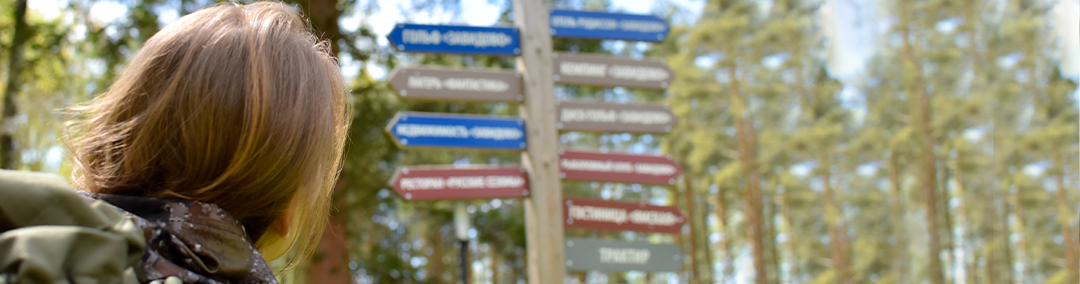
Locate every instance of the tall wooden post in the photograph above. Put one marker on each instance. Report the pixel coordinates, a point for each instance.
(543, 210)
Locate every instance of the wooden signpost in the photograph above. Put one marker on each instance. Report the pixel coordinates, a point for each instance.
(447, 182)
(603, 255)
(427, 83)
(536, 134)
(607, 117)
(594, 166)
(621, 216)
(603, 70)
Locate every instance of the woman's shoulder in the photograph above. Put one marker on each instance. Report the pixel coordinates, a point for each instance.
(195, 241)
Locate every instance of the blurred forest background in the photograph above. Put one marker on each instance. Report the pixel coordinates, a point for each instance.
(952, 157)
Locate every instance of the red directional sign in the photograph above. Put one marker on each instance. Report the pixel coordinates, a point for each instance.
(592, 166)
(621, 216)
(442, 182)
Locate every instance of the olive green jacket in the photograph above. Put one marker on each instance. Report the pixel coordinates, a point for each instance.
(51, 234)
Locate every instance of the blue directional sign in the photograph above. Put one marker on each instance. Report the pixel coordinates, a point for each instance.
(455, 39)
(419, 129)
(600, 25)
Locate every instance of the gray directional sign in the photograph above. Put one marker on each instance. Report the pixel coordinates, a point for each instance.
(601, 255)
(426, 83)
(607, 117)
(603, 70)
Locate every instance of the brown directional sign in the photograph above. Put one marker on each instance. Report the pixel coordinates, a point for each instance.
(608, 117)
(475, 182)
(604, 70)
(427, 83)
(621, 216)
(592, 166)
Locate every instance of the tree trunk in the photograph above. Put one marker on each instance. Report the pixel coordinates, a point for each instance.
(748, 159)
(900, 263)
(434, 265)
(943, 209)
(723, 243)
(692, 244)
(1022, 242)
(494, 262)
(836, 231)
(331, 266)
(920, 113)
(1072, 240)
(963, 218)
(789, 243)
(11, 89)
(324, 16)
(774, 249)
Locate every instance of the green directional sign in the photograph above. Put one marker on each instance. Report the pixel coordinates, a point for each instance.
(603, 255)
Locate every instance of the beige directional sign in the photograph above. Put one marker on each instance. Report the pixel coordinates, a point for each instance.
(602, 70)
(607, 117)
(426, 83)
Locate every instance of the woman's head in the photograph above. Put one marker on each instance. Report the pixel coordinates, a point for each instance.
(236, 105)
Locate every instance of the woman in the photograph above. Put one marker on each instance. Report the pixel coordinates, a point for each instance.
(222, 140)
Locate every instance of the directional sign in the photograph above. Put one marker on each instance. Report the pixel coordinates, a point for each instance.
(613, 117)
(602, 70)
(621, 216)
(592, 166)
(455, 39)
(600, 25)
(427, 83)
(476, 182)
(602, 255)
(418, 129)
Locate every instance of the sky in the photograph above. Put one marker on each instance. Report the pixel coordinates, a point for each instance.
(850, 26)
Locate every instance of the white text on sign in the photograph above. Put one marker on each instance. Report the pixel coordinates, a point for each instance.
(624, 255)
(620, 216)
(462, 38)
(461, 182)
(613, 116)
(617, 167)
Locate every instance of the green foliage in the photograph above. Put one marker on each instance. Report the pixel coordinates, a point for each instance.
(835, 159)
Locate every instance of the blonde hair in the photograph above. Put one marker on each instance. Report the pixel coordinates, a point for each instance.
(235, 105)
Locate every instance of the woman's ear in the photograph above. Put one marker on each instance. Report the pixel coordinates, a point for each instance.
(275, 242)
(281, 225)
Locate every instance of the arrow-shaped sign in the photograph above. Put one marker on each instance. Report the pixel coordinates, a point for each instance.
(621, 216)
(445, 182)
(455, 39)
(603, 255)
(601, 70)
(600, 25)
(418, 129)
(592, 166)
(581, 116)
(426, 83)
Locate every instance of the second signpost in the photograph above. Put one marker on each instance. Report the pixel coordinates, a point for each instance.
(549, 254)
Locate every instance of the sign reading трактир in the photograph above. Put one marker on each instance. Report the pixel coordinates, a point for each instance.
(600, 255)
(600, 70)
(580, 116)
